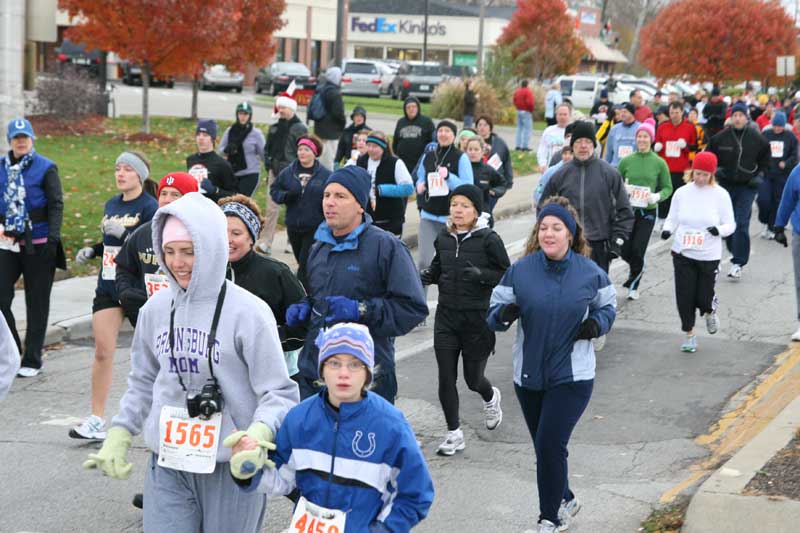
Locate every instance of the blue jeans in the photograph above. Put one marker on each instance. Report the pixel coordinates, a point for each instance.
(468, 121)
(738, 244)
(770, 191)
(524, 128)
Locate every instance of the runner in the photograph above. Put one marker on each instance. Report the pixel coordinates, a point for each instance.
(138, 274)
(360, 142)
(214, 175)
(783, 152)
(553, 137)
(270, 280)
(347, 142)
(554, 362)
(789, 210)
(300, 187)
(700, 217)
(490, 182)
(675, 140)
(122, 214)
(647, 180)
(205, 360)
(32, 208)
(391, 184)
(345, 448)
(622, 137)
(470, 260)
(463, 136)
(357, 273)
(244, 145)
(498, 155)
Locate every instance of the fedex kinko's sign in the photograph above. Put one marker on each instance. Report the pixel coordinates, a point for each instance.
(405, 26)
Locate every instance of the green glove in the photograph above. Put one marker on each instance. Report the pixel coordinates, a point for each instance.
(112, 457)
(246, 464)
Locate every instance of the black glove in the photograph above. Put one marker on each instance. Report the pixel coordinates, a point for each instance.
(588, 330)
(665, 235)
(780, 237)
(615, 248)
(51, 249)
(208, 186)
(132, 300)
(470, 274)
(509, 313)
(426, 276)
(713, 231)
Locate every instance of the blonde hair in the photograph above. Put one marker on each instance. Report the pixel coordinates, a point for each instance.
(688, 177)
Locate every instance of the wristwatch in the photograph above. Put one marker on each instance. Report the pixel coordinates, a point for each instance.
(619, 241)
(362, 310)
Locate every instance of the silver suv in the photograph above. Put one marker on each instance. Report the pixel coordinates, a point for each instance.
(415, 78)
(361, 76)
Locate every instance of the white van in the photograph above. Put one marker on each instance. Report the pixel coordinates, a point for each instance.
(581, 90)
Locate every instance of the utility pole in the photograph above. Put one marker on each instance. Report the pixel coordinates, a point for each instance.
(484, 5)
(425, 34)
(12, 43)
(338, 53)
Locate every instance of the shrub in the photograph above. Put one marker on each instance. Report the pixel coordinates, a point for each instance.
(69, 95)
(448, 99)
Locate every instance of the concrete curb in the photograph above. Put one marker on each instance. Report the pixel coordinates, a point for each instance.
(719, 504)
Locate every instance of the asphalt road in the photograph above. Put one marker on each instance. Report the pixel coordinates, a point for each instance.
(635, 441)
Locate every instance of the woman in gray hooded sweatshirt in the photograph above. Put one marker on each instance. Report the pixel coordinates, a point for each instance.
(186, 402)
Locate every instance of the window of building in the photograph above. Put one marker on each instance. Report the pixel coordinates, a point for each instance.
(368, 52)
(442, 56)
(404, 54)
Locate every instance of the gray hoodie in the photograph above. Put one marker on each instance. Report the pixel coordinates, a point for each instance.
(248, 360)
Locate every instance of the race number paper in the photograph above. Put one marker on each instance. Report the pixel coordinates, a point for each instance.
(638, 196)
(692, 240)
(188, 444)
(673, 150)
(199, 172)
(310, 518)
(437, 185)
(495, 162)
(109, 262)
(624, 151)
(776, 147)
(154, 283)
(7, 243)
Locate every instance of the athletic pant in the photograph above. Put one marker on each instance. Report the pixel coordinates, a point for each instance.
(461, 333)
(551, 415)
(677, 183)
(392, 226)
(634, 248)
(329, 147)
(301, 241)
(768, 199)
(384, 384)
(738, 244)
(180, 502)
(694, 288)
(600, 254)
(796, 262)
(248, 183)
(37, 270)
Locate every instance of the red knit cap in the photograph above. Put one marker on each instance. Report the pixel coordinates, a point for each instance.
(705, 161)
(183, 181)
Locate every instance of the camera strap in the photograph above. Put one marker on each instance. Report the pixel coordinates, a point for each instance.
(212, 334)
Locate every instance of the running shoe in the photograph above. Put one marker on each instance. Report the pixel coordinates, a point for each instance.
(690, 344)
(765, 232)
(264, 248)
(28, 372)
(93, 428)
(138, 500)
(452, 444)
(712, 322)
(567, 512)
(546, 526)
(735, 272)
(492, 412)
(633, 294)
(796, 335)
(599, 343)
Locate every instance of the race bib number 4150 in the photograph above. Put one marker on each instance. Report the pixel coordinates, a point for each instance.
(310, 518)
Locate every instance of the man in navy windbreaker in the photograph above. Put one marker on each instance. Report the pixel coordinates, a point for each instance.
(357, 272)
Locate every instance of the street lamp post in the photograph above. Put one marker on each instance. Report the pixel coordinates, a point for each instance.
(425, 34)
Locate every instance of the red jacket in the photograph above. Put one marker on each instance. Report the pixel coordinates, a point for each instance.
(762, 121)
(523, 99)
(669, 133)
(643, 113)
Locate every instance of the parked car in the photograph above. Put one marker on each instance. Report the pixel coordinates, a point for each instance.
(361, 76)
(75, 55)
(415, 78)
(132, 75)
(459, 71)
(218, 77)
(277, 77)
(388, 72)
(581, 90)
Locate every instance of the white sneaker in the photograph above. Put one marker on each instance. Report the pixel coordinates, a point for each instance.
(492, 412)
(633, 294)
(599, 343)
(796, 335)
(452, 444)
(264, 248)
(93, 428)
(712, 322)
(765, 232)
(28, 372)
(567, 512)
(735, 272)
(546, 526)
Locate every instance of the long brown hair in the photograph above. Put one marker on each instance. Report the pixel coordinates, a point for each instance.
(579, 244)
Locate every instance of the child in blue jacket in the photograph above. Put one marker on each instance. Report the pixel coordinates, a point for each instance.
(350, 454)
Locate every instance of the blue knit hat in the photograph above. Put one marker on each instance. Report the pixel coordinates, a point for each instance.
(207, 126)
(346, 338)
(356, 180)
(740, 107)
(779, 119)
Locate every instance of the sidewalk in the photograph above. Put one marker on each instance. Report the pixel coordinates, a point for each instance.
(71, 300)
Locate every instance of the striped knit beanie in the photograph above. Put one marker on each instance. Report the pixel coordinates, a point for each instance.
(346, 338)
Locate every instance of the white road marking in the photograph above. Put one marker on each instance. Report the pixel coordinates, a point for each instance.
(64, 422)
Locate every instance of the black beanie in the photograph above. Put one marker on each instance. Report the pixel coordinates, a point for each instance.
(448, 124)
(473, 193)
(583, 130)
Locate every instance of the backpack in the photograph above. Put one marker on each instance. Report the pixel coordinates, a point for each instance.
(316, 109)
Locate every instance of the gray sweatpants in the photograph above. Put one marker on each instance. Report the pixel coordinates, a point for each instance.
(180, 502)
(796, 261)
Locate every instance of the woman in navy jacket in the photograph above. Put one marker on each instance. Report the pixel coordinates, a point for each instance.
(300, 186)
(562, 300)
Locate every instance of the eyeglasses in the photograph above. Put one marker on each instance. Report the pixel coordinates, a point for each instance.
(352, 366)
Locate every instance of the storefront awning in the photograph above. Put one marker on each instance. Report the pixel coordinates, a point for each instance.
(602, 53)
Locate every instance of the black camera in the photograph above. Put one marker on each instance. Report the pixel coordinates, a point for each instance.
(205, 403)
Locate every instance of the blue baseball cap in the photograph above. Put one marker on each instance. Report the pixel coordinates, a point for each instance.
(19, 126)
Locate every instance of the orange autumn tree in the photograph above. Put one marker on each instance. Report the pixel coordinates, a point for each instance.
(717, 40)
(544, 31)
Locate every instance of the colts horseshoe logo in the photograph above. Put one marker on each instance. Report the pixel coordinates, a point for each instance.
(19, 124)
(364, 453)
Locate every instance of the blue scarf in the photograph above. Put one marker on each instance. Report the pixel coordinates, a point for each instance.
(17, 220)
